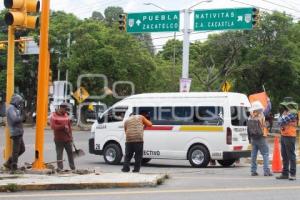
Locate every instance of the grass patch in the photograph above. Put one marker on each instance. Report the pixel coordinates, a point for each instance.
(12, 187)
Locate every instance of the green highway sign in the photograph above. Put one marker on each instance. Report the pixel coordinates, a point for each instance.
(223, 19)
(153, 22)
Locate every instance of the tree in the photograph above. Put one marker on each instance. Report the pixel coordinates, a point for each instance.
(268, 56)
(172, 50)
(112, 14)
(117, 55)
(97, 16)
(146, 39)
(271, 60)
(216, 59)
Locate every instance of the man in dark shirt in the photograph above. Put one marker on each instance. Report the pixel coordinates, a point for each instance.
(15, 124)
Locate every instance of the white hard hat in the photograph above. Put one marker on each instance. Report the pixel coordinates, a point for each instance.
(256, 105)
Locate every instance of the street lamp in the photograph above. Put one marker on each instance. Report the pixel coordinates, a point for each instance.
(155, 5)
(206, 1)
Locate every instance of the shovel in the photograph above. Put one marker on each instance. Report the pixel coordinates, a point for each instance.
(78, 152)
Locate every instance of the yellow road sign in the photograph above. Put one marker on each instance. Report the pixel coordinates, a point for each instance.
(81, 94)
(2, 46)
(226, 86)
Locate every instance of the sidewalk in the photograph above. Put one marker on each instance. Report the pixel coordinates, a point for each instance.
(72, 181)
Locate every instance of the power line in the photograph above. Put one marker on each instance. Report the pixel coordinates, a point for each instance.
(276, 4)
(161, 46)
(87, 10)
(294, 2)
(82, 10)
(86, 7)
(180, 35)
(291, 3)
(293, 16)
(75, 6)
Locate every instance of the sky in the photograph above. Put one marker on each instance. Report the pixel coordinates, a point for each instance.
(84, 8)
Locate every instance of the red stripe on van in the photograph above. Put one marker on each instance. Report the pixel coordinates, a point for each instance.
(159, 128)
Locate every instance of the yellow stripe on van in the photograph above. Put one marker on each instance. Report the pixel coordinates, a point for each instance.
(202, 128)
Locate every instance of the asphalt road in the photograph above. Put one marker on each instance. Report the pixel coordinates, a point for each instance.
(184, 183)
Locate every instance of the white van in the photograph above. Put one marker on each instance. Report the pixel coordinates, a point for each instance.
(196, 126)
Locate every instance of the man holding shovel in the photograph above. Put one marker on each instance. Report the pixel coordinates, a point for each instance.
(61, 125)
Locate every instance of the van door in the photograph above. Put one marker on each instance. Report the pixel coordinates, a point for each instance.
(112, 123)
(155, 137)
(239, 116)
(164, 140)
(112, 129)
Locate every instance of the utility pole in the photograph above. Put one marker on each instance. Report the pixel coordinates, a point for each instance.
(10, 84)
(42, 95)
(67, 71)
(186, 44)
(174, 60)
(58, 71)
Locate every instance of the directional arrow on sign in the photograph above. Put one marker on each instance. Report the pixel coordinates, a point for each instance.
(223, 19)
(138, 22)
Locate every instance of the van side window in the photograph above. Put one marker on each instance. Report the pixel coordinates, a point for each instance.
(239, 115)
(209, 115)
(148, 112)
(115, 114)
(174, 116)
(183, 115)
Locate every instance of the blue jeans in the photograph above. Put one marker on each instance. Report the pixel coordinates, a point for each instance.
(288, 155)
(262, 146)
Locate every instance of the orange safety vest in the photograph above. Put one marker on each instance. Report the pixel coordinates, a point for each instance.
(289, 130)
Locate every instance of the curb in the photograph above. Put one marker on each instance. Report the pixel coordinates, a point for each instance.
(260, 161)
(14, 187)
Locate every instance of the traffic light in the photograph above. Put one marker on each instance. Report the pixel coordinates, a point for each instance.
(255, 17)
(122, 22)
(19, 13)
(22, 47)
(2, 46)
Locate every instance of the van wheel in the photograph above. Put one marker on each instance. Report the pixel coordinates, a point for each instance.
(112, 154)
(145, 160)
(198, 156)
(226, 163)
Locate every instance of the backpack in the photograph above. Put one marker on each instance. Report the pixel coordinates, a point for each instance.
(254, 129)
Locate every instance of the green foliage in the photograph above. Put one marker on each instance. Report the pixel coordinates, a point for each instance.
(97, 16)
(171, 48)
(105, 50)
(96, 47)
(12, 187)
(267, 56)
(271, 59)
(112, 14)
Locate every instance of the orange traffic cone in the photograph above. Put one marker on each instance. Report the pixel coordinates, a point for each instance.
(276, 163)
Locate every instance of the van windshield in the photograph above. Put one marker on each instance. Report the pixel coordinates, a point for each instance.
(239, 116)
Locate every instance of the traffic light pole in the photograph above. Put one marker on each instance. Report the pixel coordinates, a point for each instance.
(42, 95)
(47, 101)
(10, 84)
